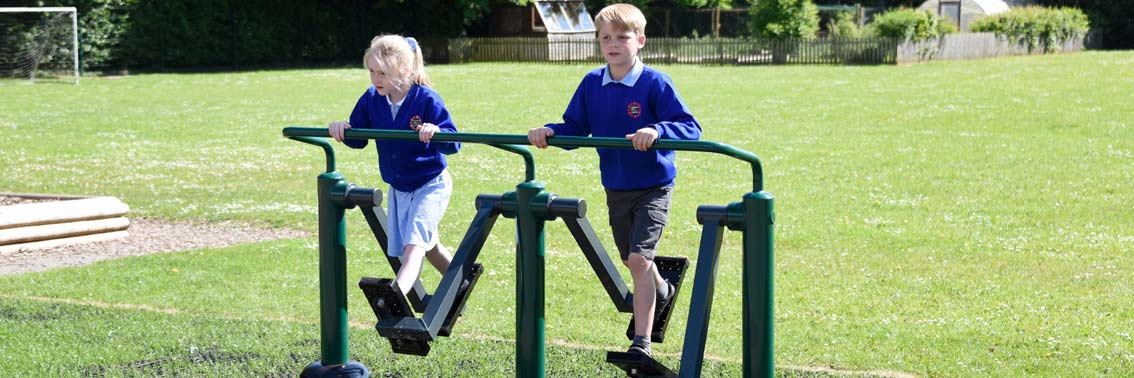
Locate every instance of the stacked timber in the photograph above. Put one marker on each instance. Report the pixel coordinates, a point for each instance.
(69, 220)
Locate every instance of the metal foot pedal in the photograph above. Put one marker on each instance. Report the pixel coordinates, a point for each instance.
(410, 346)
(672, 270)
(639, 365)
(458, 308)
(388, 304)
(385, 299)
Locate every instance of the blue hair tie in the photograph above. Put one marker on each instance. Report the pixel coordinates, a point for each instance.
(412, 43)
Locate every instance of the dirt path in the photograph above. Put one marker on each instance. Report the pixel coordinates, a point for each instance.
(146, 236)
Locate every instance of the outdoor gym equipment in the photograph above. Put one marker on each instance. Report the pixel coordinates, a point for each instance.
(531, 206)
(406, 333)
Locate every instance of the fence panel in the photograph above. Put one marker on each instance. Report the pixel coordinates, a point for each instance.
(709, 51)
(736, 51)
(974, 46)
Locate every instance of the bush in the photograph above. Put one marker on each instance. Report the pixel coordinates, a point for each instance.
(909, 24)
(844, 25)
(1038, 27)
(1114, 19)
(784, 19)
(209, 33)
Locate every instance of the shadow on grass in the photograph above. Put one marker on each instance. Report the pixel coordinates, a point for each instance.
(68, 339)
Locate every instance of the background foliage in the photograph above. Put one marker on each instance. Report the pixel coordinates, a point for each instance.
(1036, 26)
(784, 18)
(165, 34)
(1114, 17)
(910, 24)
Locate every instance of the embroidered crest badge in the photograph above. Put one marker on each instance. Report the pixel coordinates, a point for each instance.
(634, 109)
(415, 122)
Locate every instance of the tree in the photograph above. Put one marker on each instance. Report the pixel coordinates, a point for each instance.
(783, 20)
(780, 19)
(1114, 17)
(715, 4)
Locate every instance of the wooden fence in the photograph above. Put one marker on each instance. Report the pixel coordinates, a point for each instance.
(975, 46)
(731, 51)
(673, 50)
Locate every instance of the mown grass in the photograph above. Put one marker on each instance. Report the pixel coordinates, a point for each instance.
(945, 219)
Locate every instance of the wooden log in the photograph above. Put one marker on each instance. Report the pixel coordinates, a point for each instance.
(31, 214)
(38, 196)
(43, 244)
(26, 234)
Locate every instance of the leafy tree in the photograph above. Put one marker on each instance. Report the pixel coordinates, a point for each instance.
(844, 25)
(726, 4)
(716, 5)
(1115, 18)
(781, 19)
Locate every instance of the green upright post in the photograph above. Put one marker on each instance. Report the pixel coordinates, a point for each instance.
(530, 279)
(758, 321)
(332, 272)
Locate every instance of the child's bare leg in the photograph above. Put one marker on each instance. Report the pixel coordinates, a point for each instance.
(645, 275)
(659, 282)
(439, 257)
(411, 267)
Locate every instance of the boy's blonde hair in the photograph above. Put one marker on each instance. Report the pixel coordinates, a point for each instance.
(398, 59)
(624, 17)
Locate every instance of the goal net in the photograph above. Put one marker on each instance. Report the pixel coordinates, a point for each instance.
(39, 44)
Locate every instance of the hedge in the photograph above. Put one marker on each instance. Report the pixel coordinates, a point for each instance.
(209, 33)
(909, 24)
(1038, 27)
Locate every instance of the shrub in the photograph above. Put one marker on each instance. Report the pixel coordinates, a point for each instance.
(909, 24)
(844, 25)
(1038, 27)
(784, 19)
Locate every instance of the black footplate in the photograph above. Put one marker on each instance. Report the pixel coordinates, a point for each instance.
(390, 306)
(672, 270)
(458, 308)
(385, 299)
(410, 346)
(637, 365)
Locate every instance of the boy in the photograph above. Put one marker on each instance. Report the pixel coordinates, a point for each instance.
(627, 99)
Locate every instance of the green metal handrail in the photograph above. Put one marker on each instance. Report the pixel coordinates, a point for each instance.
(308, 135)
(327, 149)
(500, 140)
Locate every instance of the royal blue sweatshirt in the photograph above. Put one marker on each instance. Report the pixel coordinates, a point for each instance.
(615, 110)
(405, 165)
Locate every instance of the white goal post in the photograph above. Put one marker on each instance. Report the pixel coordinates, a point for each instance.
(74, 28)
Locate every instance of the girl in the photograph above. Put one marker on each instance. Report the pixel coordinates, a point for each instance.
(399, 98)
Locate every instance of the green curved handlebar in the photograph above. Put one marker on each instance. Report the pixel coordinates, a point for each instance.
(529, 161)
(304, 135)
(517, 141)
(327, 149)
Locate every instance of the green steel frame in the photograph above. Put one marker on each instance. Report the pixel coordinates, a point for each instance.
(531, 206)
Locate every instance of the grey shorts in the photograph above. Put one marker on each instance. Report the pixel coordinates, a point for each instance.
(637, 218)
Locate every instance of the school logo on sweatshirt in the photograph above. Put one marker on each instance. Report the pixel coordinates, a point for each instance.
(415, 122)
(634, 109)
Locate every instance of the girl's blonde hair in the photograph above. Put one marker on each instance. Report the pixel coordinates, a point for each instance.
(398, 59)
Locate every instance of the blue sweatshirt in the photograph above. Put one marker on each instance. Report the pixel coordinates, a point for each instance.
(616, 109)
(405, 165)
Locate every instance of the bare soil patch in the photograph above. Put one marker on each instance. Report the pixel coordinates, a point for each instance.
(147, 236)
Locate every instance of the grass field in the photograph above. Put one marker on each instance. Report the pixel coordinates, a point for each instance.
(957, 219)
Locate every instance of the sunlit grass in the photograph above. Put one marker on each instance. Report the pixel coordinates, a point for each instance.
(946, 219)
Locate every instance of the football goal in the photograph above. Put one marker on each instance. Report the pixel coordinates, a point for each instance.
(39, 44)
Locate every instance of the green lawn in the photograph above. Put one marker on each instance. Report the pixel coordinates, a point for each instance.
(955, 219)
